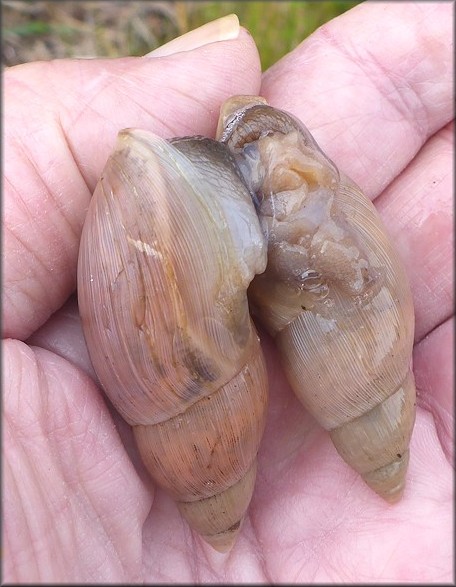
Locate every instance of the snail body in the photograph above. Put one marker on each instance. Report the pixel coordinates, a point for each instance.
(334, 296)
(169, 246)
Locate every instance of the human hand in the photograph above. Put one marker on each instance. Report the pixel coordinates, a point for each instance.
(70, 487)
(374, 88)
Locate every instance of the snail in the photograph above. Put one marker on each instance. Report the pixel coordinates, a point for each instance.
(169, 246)
(334, 296)
(181, 238)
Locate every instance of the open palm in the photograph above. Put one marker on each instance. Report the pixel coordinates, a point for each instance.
(374, 87)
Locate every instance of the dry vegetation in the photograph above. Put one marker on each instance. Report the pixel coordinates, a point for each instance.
(46, 30)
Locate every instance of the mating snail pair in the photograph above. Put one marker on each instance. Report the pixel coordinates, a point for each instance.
(176, 233)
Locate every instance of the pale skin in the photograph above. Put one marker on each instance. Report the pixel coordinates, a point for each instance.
(374, 87)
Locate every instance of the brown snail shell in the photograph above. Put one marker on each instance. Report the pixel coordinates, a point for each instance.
(335, 295)
(169, 246)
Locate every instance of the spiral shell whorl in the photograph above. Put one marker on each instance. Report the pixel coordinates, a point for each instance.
(206, 457)
(376, 443)
(370, 422)
(169, 246)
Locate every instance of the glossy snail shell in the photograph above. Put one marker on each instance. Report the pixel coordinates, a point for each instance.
(335, 295)
(169, 246)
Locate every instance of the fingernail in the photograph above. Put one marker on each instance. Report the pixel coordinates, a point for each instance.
(221, 29)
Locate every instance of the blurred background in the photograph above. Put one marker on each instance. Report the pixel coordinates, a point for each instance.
(34, 30)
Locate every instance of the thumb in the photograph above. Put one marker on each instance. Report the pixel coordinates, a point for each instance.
(61, 121)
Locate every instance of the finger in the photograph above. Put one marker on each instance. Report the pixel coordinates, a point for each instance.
(372, 97)
(372, 85)
(417, 209)
(62, 335)
(62, 120)
(433, 363)
(67, 479)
